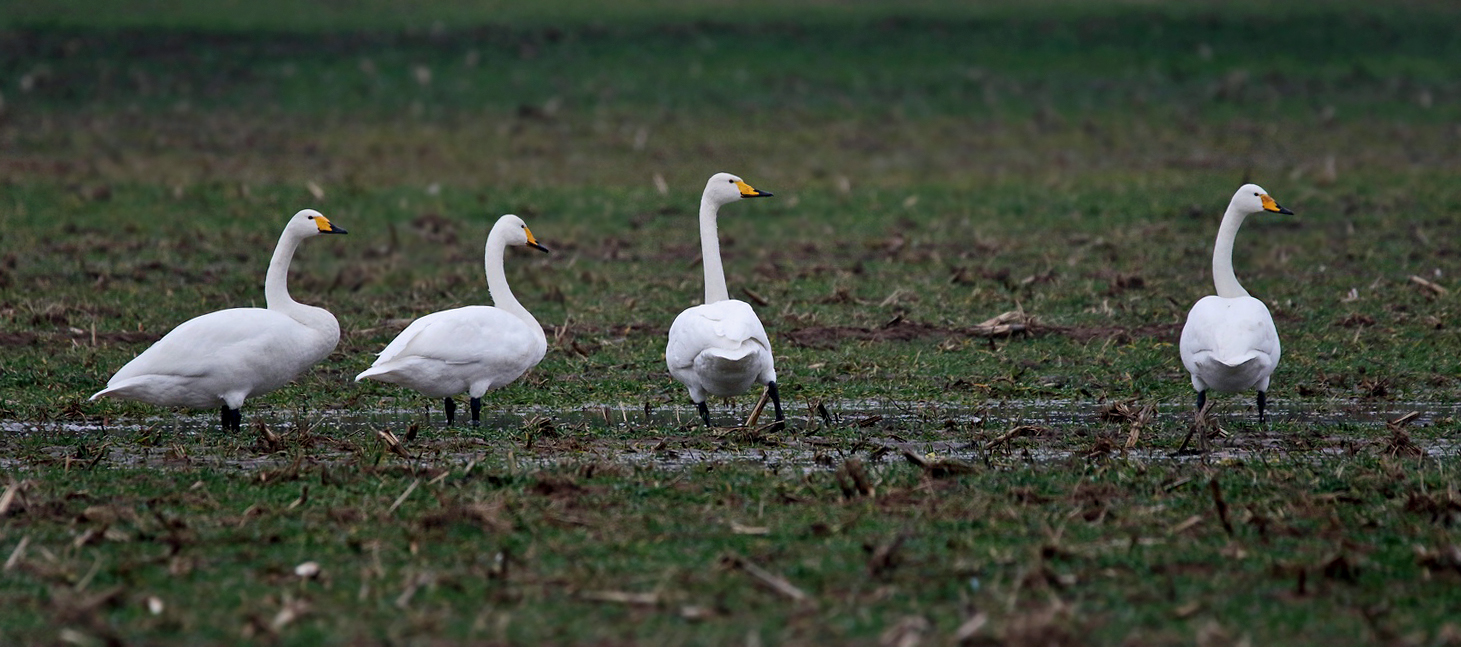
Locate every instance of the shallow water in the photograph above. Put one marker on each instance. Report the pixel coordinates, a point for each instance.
(961, 433)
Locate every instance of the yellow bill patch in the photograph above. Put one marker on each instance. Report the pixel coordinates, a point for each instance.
(1268, 203)
(529, 232)
(746, 188)
(323, 223)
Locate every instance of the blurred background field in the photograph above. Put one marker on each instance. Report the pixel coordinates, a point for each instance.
(934, 164)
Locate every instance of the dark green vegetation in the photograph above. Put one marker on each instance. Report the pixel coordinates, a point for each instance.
(934, 167)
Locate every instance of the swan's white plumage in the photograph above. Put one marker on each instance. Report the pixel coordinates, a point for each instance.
(222, 357)
(1229, 342)
(225, 357)
(468, 350)
(719, 347)
(473, 349)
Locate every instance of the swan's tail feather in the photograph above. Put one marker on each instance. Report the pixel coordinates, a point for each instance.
(116, 389)
(727, 355)
(372, 372)
(1240, 361)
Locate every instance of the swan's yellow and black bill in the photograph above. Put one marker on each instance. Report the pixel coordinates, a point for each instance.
(1270, 205)
(748, 192)
(533, 242)
(326, 227)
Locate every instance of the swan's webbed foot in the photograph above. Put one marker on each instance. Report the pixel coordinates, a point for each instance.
(704, 412)
(451, 411)
(776, 402)
(476, 412)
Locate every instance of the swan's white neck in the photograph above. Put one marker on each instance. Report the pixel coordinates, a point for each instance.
(1222, 255)
(276, 288)
(502, 296)
(710, 253)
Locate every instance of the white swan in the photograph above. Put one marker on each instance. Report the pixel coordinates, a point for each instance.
(720, 348)
(1229, 343)
(473, 349)
(225, 357)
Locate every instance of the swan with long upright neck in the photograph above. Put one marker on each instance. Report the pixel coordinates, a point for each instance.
(1229, 343)
(222, 358)
(720, 347)
(473, 349)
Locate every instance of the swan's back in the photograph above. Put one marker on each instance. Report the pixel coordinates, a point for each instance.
(719, 348)
(225, 355)
(461, 350)
(1229, 344)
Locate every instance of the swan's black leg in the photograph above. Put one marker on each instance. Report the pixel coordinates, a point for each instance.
(476, 412)
(223, 417)
(1262, 402)
(704, 412)
(776, 401)
(232, 418)
(1201, 400)
(451, 411)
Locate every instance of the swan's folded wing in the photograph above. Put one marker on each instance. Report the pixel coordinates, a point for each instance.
(203, 345)
(393, 349)
(463, 335)
(725, 325)
(1229, 330)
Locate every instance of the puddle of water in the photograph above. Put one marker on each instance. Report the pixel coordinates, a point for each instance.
(800, 450)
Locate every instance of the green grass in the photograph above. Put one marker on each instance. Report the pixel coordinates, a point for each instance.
(933, 165)
(1346, 549)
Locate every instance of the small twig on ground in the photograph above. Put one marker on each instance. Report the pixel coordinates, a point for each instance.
(1009, 323)
(770, 580)
(402, 499)
(756, 411)
(1433, 288)
(1221, 505)
(938, 468)
(1399, 442)
(1202, 427)
(1021, 430)
(393, 444)
(622, 597)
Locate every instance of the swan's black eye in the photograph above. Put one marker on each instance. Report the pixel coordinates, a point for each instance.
(731, 181)
(1255, 195)
(311, 217)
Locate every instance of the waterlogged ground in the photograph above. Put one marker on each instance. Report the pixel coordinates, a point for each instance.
(1022, 523)
(1006, 433)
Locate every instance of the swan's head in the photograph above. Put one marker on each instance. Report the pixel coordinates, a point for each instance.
(514, 231)
(724, 188)
(1251, 198)
(309, 222)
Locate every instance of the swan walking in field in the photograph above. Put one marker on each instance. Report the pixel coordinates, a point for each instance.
(1229, 343)
(720, 348)
(223, 358)
(473, 349)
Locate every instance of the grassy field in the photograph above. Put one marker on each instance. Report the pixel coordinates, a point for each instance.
(934, 166)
